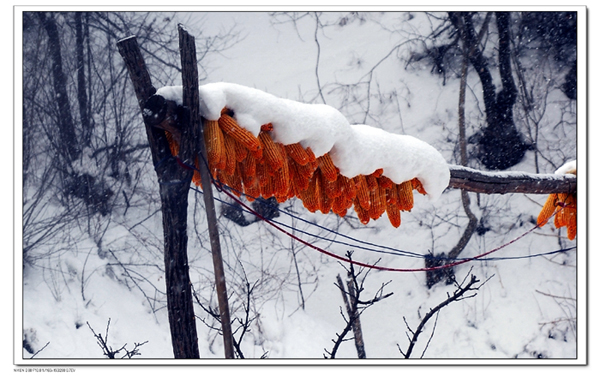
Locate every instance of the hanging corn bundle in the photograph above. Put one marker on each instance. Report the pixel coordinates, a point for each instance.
(259, 166)
(563, 206)
(309, 152)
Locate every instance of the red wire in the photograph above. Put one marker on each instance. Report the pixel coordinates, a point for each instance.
(219, 185)
(354, 262)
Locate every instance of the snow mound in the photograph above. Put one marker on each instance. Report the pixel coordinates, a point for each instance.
(568, 168)
(355, 149)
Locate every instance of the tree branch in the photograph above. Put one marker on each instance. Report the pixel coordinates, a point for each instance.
(163, 112)
(456, 296)
(509, 182)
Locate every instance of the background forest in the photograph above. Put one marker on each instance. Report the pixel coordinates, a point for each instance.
(92, 245)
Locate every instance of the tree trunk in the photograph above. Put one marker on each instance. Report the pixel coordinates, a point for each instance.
(174, 188)
(501, 144)
(69, 147)
(82, 98)
(182, 321)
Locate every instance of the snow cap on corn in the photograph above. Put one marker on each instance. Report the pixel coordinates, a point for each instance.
(354, 149)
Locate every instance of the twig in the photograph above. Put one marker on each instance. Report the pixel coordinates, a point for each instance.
(108, 351)
(432, 333)
(456, 296)
(555, 296)
(318, 23)
(355, 307)
(40, 350)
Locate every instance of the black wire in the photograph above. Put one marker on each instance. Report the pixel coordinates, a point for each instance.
(383, 249)
(388, 250)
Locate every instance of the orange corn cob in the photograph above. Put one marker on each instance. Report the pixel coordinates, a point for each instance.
(298, 181)
(308, 170)
(326, 203)
(247, 169)
(340, 205)
(377, 173)
(416, 184)
(559, 217)
(262, 174)
(246, 178)
(362, 192)
(234, 181)
(311, 155)
(363, 215)
(382, 199)
(371, 182)
(282, 180)
(215, 145)
(297, 153)
(564, 208)
(231, 160)
(385, 182)
(241, 135)
(319, 192)
(378, 204)
(267, 187)
(240, 150)
(348, 187)
(547, 210)
(333, 189)
(572, 231)
(173, 145)
(394, 215)
(405, 196)
(392, 195)
(223, 178)
(310, 196)
(251, 190)
(196, 178)
(266, 127)
(271, 153)
(330, 172)
(236, 184)
(570, 216)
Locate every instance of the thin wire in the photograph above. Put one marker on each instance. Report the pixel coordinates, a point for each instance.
(396, 252)
(481, 257)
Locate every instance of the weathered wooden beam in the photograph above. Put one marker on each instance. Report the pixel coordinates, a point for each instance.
(509, 182)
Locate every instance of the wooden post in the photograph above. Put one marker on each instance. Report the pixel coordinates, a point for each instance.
(174, 184)
(191, 104)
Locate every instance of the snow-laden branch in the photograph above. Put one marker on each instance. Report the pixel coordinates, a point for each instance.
(510, 182)
(355, 149)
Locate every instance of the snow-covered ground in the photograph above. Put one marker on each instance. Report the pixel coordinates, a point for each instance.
(528, 309)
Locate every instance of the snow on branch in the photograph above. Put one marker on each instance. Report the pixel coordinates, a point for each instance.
(262, 145)
(510, 182)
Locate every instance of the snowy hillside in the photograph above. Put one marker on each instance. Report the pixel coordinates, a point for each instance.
(525, 312)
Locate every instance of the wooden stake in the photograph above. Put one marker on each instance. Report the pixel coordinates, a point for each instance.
(191, 102)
